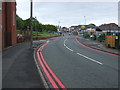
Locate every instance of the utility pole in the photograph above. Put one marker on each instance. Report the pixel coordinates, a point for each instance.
(35, 23)
(31, 9)
(85, 19)
(35, 27)
(59, 26)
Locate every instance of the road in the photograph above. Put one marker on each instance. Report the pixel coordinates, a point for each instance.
(79, 67)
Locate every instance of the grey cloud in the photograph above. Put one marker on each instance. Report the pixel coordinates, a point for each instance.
(70, 13)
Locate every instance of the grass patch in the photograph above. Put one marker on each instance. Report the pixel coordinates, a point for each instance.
(46, 35)
(40, 34)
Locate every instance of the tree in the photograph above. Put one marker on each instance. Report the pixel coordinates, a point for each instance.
(26, 24)
(50, 28)
(20, 22)
(37, 26)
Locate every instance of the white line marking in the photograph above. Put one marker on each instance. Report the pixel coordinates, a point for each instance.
(65, 41)
(64, 45)
(82, 54)
(90, 59)
(69, 49)
(67, 46)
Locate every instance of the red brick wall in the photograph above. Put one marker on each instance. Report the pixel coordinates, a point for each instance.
(12, 21)
(0, 16)
(3, 23)
(8, 23)
(0, 30)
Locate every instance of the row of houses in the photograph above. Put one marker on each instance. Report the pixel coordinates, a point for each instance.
(111, 27)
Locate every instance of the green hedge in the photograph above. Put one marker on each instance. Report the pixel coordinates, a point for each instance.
(86, 35)
(101, 37)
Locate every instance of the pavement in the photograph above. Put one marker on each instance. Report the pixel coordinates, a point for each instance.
(0, 70)
(18, 67)
(97, 45)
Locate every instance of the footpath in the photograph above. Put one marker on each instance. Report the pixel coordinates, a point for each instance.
(97, 45)
(18, 67)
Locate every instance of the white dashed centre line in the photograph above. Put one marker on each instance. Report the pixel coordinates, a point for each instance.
(69, 49)
(90, 59)
(82, 54)
(67, 46)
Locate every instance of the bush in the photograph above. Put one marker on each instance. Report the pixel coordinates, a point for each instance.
(95, 37)
(101, 37)
(86, 35)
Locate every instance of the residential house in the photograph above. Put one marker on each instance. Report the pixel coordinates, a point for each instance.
(111, 27)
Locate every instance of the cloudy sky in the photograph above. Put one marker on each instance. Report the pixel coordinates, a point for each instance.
(70, 13)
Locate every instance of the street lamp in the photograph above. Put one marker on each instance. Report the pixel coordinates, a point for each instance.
(35, 23)
(35, 26)
(85, 19)
(31, 9)
(58, 26)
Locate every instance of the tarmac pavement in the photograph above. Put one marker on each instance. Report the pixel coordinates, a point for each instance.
(19, 69)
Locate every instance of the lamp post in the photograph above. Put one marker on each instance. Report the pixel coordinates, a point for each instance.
(35, 27)
(35, 23)
(31, 9)
(58, 26)
(85, 24)
(85, 19)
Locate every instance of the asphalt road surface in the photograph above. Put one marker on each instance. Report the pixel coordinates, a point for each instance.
(79, 67)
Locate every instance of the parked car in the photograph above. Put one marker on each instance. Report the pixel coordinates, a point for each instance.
(20, 38)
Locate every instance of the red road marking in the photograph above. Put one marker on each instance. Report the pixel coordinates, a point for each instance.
(52, 73)
(40, 49)
(59, 82)
(95, 49)
(108, 51)
(46, 72)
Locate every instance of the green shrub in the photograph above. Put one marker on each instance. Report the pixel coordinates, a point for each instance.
(86, 35)
(101, 37)
(95, 37)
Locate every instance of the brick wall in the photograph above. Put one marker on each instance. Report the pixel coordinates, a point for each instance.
(8, 24)
(3, 23)
(0, 28)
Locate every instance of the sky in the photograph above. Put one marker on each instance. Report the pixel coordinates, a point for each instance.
(70, 13)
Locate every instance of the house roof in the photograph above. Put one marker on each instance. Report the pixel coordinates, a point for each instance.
(98, 29)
